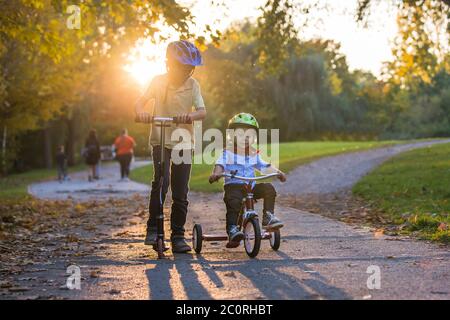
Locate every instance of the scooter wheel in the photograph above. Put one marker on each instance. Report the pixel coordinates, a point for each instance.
(197, 238)
(252, 237)
(275, 240)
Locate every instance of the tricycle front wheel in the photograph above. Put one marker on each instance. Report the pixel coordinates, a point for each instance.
(252, 237)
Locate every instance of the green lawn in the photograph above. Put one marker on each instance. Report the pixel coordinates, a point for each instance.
(292, 154)
(413, 190)
(14, 187)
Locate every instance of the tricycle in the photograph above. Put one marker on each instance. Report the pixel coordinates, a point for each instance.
(248, 223)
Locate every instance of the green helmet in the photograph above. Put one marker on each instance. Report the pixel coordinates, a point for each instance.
(243, 119)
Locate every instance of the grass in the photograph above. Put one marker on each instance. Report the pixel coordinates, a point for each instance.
(412, 190)
(15, 186)
(292, 154)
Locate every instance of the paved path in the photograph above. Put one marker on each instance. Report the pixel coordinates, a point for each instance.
(335, 173)
(80, 189)
(319, 258)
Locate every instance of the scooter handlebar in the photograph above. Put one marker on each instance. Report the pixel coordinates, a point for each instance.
(147, 118)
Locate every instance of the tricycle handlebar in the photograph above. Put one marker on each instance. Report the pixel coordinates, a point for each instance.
(267, 176)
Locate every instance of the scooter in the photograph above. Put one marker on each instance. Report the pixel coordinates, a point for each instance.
(163, 123)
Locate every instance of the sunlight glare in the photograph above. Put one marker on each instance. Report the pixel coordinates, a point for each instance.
(146, 60)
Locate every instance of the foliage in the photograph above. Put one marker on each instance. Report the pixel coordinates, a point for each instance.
(46, 68)
(276, 33)
(316, 96)
(58, 83)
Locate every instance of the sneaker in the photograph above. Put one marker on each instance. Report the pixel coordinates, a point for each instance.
(235, 235)
(179, 245)
(150, 239)
(270, 222)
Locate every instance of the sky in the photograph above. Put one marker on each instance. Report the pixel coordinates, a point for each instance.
(366, 48)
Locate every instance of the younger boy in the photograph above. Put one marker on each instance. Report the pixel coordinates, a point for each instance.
(245, 159)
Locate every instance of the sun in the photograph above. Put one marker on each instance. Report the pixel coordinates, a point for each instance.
(145, 61)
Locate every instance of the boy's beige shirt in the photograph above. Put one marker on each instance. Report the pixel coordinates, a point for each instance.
(169, 102)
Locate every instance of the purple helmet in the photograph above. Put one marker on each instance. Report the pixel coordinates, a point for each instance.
(185, 52)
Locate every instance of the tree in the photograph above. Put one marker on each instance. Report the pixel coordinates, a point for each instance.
(312, 94)
(45, 68)
(276, 32)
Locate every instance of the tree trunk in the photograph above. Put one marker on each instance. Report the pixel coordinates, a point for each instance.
(70, 147)
(4, 167)
(47, 148)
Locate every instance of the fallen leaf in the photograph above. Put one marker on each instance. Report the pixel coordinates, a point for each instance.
(18, 289)
(29, 298)
(5, 285)
(378, 233)
(72, 238)
(80, 208)
(114, 291)
(230, 274)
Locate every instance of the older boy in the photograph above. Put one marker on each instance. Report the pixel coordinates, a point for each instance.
(175, 93)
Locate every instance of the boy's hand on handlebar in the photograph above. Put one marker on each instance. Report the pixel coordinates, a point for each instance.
(184, 118)
(214, 178)
(282, 176)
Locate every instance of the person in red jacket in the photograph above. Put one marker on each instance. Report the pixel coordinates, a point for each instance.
(124, 145)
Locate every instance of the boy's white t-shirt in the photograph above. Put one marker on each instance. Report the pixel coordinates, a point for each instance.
(244, 165)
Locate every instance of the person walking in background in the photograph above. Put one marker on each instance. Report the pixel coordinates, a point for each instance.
(124, 145)
(61, 164)
(92, 154)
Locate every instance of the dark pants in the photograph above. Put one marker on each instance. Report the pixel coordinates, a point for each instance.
(124, 160)
(62, 171)
(234, 193)
(178, 175)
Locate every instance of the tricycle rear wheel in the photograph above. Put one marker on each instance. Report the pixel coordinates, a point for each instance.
(275, 239)
(197, 238)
